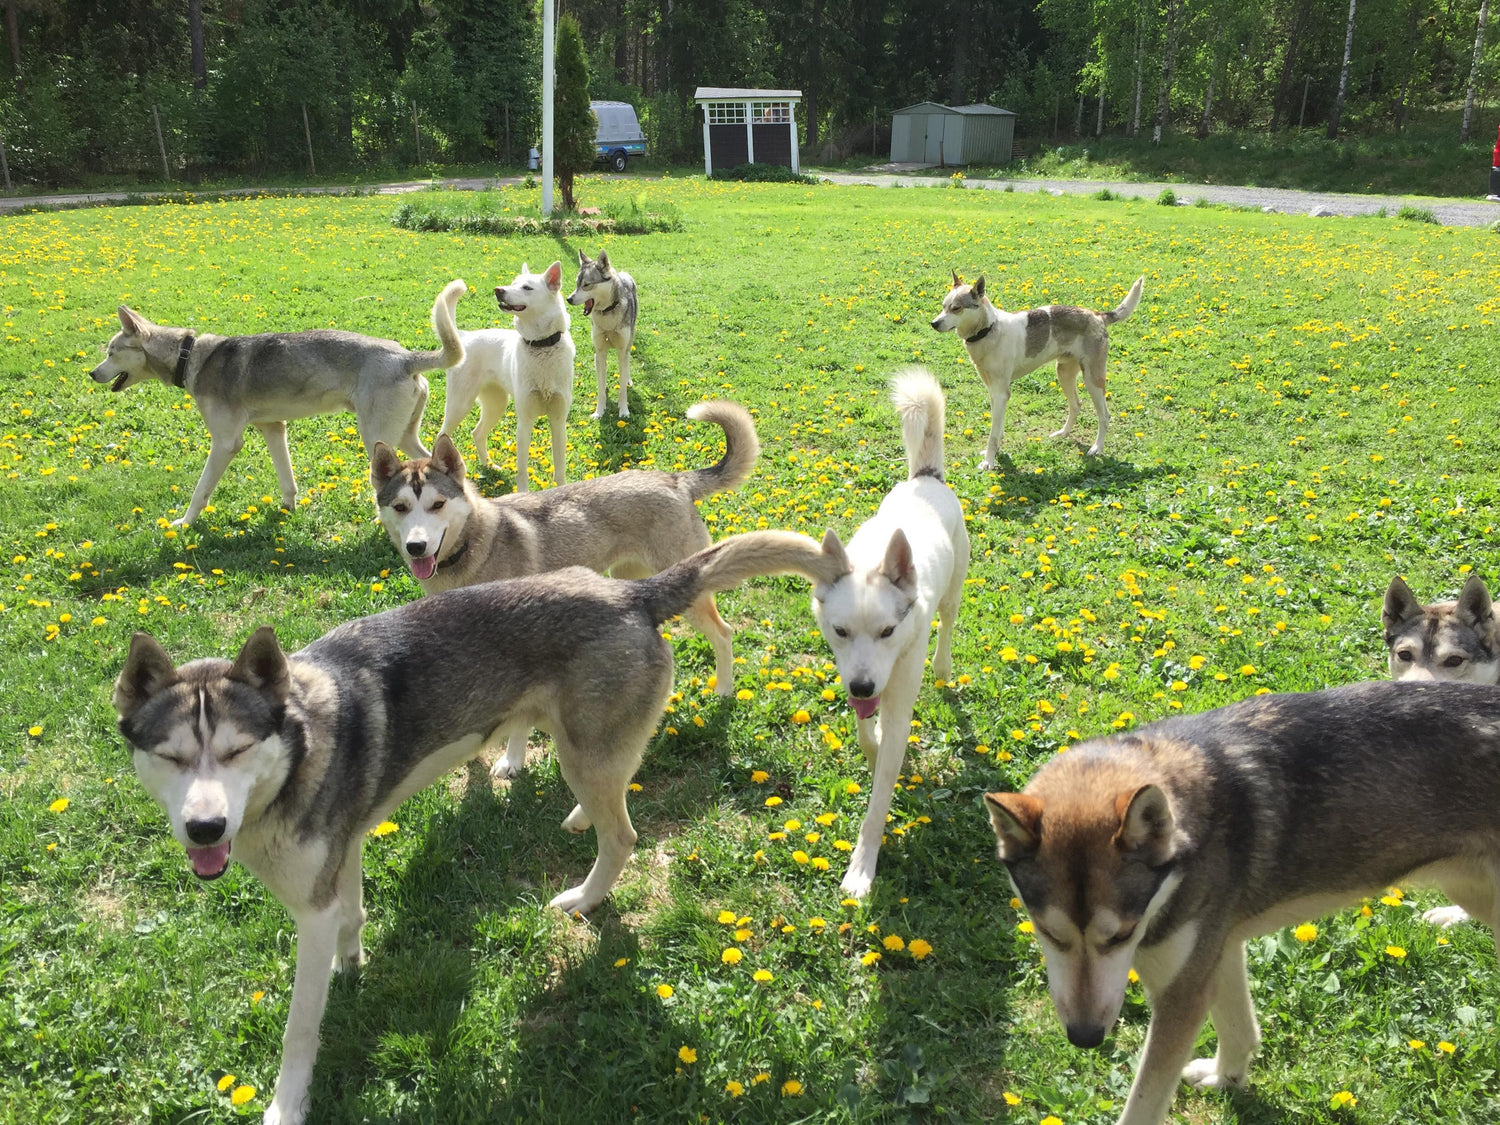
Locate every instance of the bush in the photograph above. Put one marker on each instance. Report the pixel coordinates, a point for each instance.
(1417, 215)
(1167, 198)
(763, 174)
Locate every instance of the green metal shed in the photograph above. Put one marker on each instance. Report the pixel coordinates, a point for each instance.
(929, 133)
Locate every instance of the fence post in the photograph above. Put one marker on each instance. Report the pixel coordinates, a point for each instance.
(5, 168)
(166, 171)
(1302, 116)
(307, 132)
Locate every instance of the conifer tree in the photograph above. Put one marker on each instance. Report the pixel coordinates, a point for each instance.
(574, 125)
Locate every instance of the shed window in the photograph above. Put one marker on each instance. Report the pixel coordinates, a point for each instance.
(726, 113)
(772, 113)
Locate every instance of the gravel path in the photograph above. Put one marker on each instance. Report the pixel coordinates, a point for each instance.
(1452, 213)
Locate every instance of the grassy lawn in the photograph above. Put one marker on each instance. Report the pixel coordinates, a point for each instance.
(1302, 408)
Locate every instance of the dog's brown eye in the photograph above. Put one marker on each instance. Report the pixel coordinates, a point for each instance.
(838, 632)
(889, 629)
(400, 509)
(1404, 656)
(1120, 938)
(1453, 661)
(437, 506)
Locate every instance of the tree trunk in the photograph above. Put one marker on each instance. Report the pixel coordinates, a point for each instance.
(1164, 83)
(1140, 71)
(1208, 102)
(1288, 62)
(1099, 121)
(1411, 62)
(13, 29)
(1078, 117)
(960, 12)
(1338, 102)
(814, 73)
(1484, 13)
(195, 32)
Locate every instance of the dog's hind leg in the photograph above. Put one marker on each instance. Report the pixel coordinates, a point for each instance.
(1476, 894)
(221, 451)
(1067, 378)
(514, 760)
(897, 701)
(411, 435)
(526, 415)
(622, 353)
(601, 374)
(1233, 1014)
(281, 458)
(1093, 380)
(317, 942)
(953, 596)
(704, 616)
(492, 403)
(557, 422)
(599, 783)
(351, 954)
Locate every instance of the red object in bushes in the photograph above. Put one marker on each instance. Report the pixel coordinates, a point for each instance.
(1495, 161)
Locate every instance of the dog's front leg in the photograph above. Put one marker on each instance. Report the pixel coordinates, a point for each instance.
(351, 953)
(526, 413)
(1233, 1014)
(317, 942)
(897, 701)
(999, 400)
(221, 451)
(1177, 1013)
(281, 458)
(623, 354)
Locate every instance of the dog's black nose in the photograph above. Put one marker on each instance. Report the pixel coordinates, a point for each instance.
(416, 548)
(206, 831)
(862, 689)
(934, 322)
(1087, 1036)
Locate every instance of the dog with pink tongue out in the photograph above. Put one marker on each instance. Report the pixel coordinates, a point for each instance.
(904, 564)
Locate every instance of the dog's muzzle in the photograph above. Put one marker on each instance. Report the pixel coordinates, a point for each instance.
(1087, 1036)
(500, 300)
(211, 858)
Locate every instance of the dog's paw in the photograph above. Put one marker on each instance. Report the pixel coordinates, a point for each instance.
(1064, 432)
(1445, 916)
(1096, 449)
(1203, 1074)
(624, 412)
(286, 1112)
(349, 961)
(573, 902)
(856, 883)
(597, 414)
(577, 820)
(504, 769)
(986, 465)
(181, 521)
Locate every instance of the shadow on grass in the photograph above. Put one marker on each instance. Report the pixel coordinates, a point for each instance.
(1025, 494)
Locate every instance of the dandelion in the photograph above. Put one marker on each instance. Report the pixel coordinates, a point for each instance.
(870, 958)
(726, 917)
(760, 777)
(1446, 1047)
(1011, 1099)
(744, 695)
(1050, 1120)
(621, 962)
(1416, 1044)
(664, 991)
(241, 1095)
(919, 948)
(1395, 951)
(36, 731)
(731, 956)
(226, 1082)
(384, 828)
(1306, 932)
(852, 788)
(894, 943)
(772, 802)
(59, 805)
(759, 1078)
(791, 1088)
(800, 856)
(800, 717)
(1343, 1098)
(1025, 926)
(687, 1055)
(734, 1089)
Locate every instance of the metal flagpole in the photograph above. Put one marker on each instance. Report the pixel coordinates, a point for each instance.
(548, 51)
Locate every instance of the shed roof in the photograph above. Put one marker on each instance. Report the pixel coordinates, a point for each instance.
(738, 93)
(967, 110)
(981, 108)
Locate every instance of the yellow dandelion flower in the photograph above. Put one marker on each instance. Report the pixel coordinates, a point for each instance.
(800, 717)
(1306, 932)
(726, 917)
(894, 943)
(226, 1082)
(919, 948)
(687, 1055)
(772, 802)
(384, 828)
(1446, 1047)
(664, 991)
(1395, 951)
(731, 956)
(870, 958)
(1343, 1098)
(1416, 1044)
(791, 1088)
(242, 1094)
(1011, 1099)
(58, 805)
(733, 1088)
(762, 976)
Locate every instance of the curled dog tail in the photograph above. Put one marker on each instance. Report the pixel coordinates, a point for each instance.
(1123, 310)
(919, 401)
(731, 561)
(451, 354)
(741, 448)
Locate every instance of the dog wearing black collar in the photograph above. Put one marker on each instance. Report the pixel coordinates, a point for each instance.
(531, 363)
(1003, 346)
(610, 301)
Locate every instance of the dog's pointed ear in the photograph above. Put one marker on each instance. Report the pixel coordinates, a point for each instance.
(583, 259)
(525, 268)
(446, 457)
(1017, 820)
(836, 564)
(978, 287)
(897, 565)
(957, 281)
(1146, 824)
(603, 258)
(132, 321)
(1474, 603)
(384, 464)
(1400, 605)
(148, 669)
(553, 276)
(262, 665)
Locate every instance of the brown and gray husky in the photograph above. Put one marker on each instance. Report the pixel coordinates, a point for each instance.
(610, 301)
(1003, 346)
(1166, 848)
(285, 761)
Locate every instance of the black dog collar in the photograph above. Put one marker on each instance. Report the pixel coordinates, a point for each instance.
(611, 308)
(452, 559)
(980, 335)
(543, 342)
(179, 374)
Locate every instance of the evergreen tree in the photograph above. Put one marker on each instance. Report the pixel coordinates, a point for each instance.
(574, 125)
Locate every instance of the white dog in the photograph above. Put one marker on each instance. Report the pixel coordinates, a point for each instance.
(903, 564)
(1003, 346)
(532, 364)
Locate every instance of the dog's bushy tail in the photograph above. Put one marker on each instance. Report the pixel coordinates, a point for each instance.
(451, 354)
(741, 448)
(1123, 310)
(731, 561)
(919, 401)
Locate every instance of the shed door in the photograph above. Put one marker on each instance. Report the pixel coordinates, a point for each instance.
(953, 140)
(901, 137)
(933, 123)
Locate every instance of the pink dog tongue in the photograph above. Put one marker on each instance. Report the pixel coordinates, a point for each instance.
(865, 708)
(208, 862)
(424, 567)
(588, 306)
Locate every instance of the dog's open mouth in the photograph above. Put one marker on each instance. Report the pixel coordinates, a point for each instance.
(865, 708)
(118, 382)
(209, 863)
(588, 306)
(500, 300)
(425, 567)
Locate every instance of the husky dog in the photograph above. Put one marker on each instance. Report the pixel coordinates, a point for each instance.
(284, 762)
(609, 299)
(531, 363)
(1166, 848)
(264, 381)
(902, 565)
(1003, 346)
(632, 524)
(1457, 640)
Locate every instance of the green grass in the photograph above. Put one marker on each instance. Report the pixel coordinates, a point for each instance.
(518, 211)
(1301, 409)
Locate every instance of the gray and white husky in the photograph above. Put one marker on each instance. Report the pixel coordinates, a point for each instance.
(284, 762)
(531, 363)
(630, 524)
(609, 300)
(905, 563)
(1457, 640)
(264, 381)
(1168, 847)
(1003, 346)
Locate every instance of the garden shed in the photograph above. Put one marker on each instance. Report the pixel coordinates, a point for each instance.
(748, 127)
(929, 133)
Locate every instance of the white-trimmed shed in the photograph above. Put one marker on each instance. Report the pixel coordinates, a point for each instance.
(929, 133)
(742, 126)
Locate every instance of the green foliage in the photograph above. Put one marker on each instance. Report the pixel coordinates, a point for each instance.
(1167, 198)
(513, 211)
(763, 174)
(574, 125)
(1416, 214)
